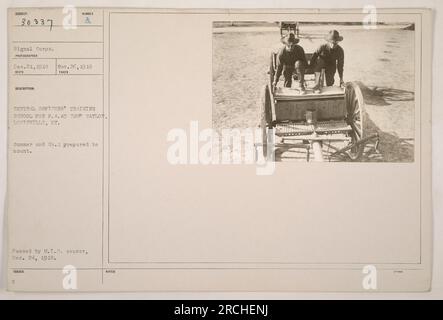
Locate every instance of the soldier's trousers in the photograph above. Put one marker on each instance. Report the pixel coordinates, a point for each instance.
(288, 71)
(330, 69)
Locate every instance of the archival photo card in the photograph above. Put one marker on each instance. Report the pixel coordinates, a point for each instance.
(219, 150)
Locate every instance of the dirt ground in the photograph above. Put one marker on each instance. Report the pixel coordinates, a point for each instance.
(381, 61)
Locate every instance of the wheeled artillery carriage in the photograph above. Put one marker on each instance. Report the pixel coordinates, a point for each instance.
(309, 119)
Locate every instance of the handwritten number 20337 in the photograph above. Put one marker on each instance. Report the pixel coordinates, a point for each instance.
(37, 22)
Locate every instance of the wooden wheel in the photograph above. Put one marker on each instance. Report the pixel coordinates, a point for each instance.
(265, 117)
(355, 108)
(272, 67)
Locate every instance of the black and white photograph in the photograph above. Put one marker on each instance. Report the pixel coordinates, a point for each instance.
(318, 91)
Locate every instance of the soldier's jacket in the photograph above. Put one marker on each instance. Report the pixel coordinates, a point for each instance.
(334, 58)
(287, 58)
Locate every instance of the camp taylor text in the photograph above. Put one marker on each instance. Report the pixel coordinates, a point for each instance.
(223, 309)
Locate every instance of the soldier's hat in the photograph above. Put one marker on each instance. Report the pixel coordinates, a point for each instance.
(290, 38)
(333, 35)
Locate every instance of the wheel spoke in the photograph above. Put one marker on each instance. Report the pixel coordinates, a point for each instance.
(358, 132)
(354, 107)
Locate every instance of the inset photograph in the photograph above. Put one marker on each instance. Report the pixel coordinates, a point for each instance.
(317, 91)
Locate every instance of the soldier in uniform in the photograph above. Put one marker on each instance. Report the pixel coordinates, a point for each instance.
(291, 59)
(329, 56)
